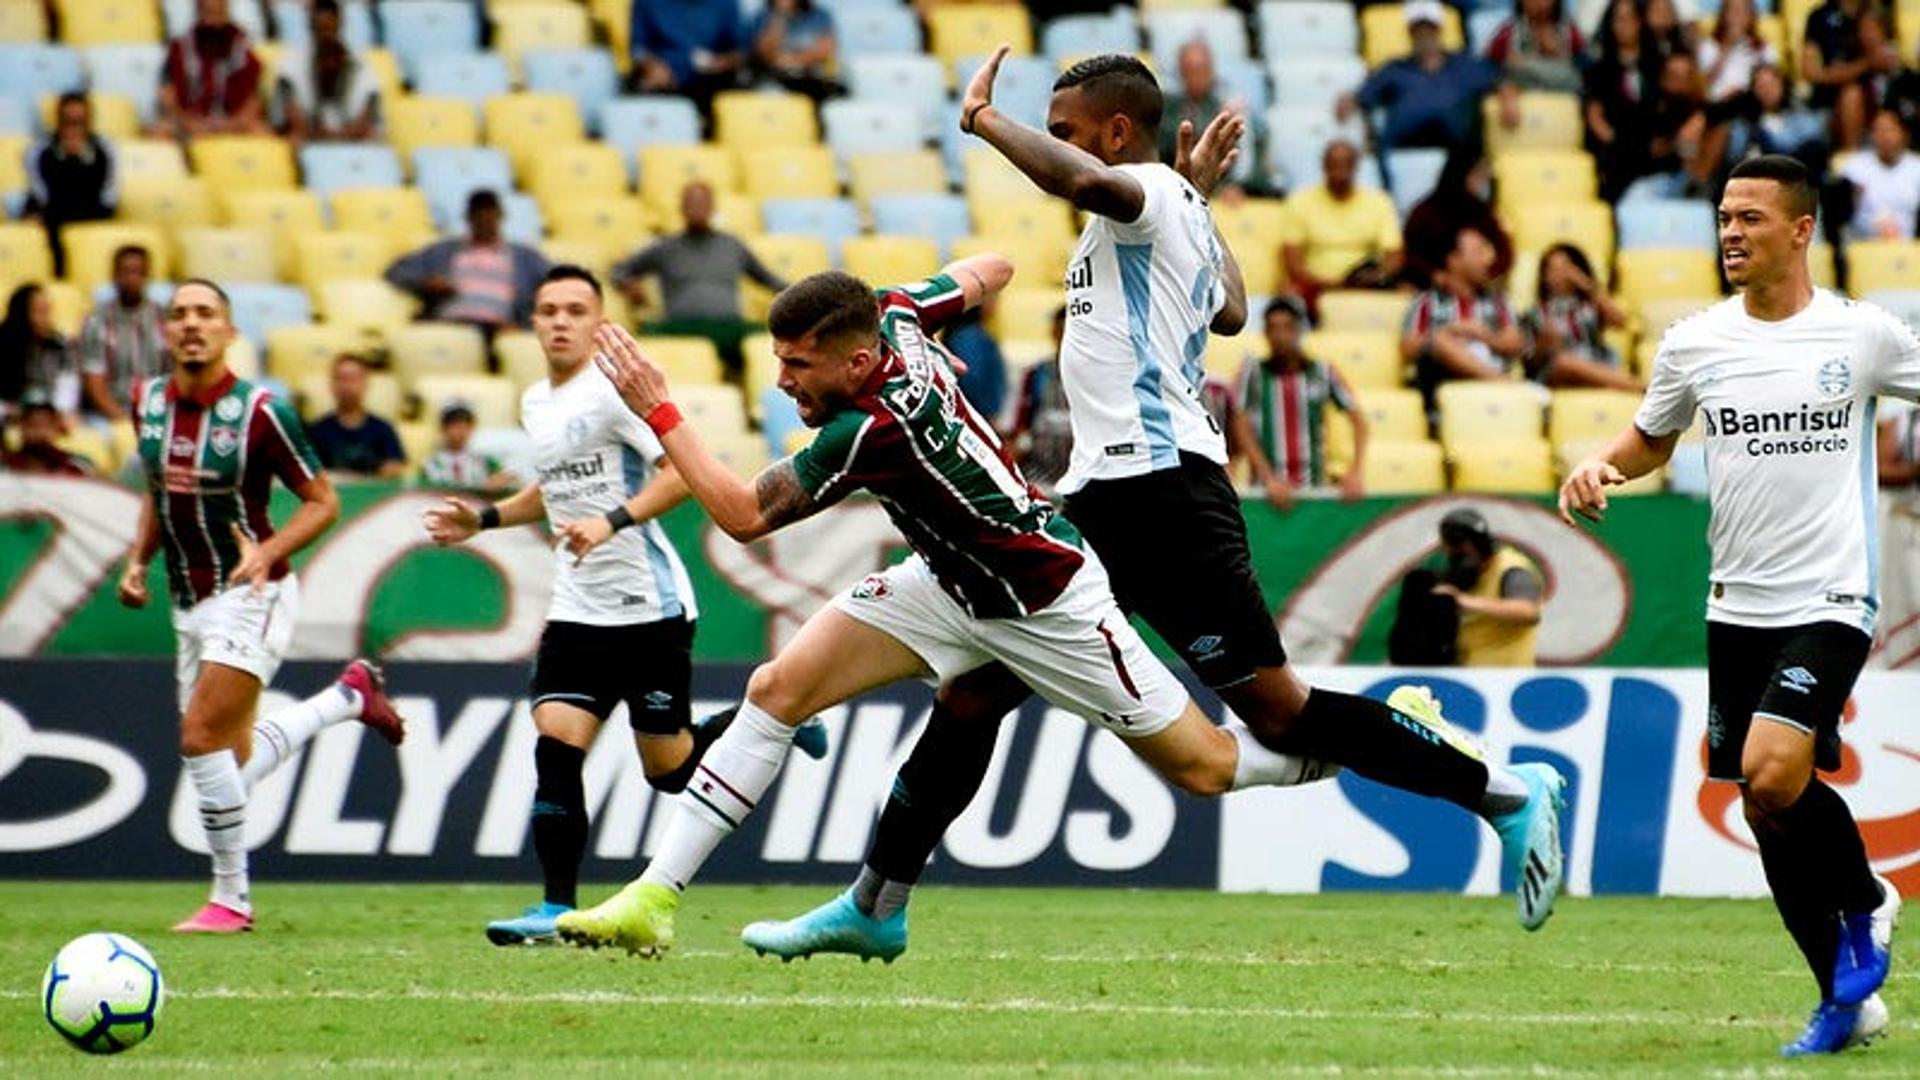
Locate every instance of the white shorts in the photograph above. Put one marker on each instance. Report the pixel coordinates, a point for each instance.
(1080, 652)
(238, 629)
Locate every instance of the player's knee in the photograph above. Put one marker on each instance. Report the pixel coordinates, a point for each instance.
(772, 690)
(1771, 788)
(197, 739)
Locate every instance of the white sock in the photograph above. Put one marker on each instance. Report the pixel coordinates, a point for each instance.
(1506, 792)
(279, 736)
(730, 780)
(1260, 767)
(223, 814)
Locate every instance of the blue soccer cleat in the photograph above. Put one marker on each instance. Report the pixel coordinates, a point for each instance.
(1530, 838)
(533, 927)
(1866, 947)
(1829, 1031)
(810, 739)
(837, 926)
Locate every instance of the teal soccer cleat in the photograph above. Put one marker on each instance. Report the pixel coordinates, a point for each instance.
(836, 926)
(533, 927)
(1530, 837)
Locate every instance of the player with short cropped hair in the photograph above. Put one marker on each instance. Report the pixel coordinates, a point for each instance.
(211, 444)
(996, 574)
(1784, 377)
(620, 624)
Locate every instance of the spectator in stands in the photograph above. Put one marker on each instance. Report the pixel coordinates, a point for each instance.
(1199, 98)
(1886, 183)
(40, 453)
(350, 439)
(1830, 54)
(1621, 86)
(1778, 124)
(326, 93)
(1903, 96)
(984, 383)
(1857, 101)
(1567, 328)
(1432, 97)
(699, 269)
(1042, 432)
(483, 279)
(1279, 424)
(35, 359)
(1339, 235)
(1463, 197)
(1677, 153)
(1733, 52)
(211, 82)
(695, 48)
(1540, 48)
(71, 175)
(1666, 31)
(793, 44)
(456, 464)
(1497, 589)
(1461, 328)
(120, 341)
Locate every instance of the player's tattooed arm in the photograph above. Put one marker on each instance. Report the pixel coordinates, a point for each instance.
(783, 499)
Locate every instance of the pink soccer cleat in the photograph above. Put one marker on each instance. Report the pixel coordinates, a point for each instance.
(376, 710)
(216, 918)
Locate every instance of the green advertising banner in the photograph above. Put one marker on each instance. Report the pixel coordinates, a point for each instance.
(1629, 592)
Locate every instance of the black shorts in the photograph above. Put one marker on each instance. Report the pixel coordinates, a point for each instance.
(1175, 546)
(647, 665)
(1800, 676)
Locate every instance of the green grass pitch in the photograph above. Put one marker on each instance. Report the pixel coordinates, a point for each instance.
(398, 980)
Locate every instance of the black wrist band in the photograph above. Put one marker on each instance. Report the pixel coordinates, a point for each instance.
(966, 122)
(490, 517)
(619, 518)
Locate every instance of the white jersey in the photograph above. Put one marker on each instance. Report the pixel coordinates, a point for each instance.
(1791, 467)
(1140, 298)
(593, 454)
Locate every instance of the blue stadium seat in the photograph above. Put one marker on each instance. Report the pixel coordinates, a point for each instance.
(258, 309)
(1902, 302)
(522, 222)
(1084, 35)
(916, 82)
(1223, 28)
(1021, 90)
(1411, 175)
(469, 76)
(941, 217)
(356, 23)
(1246, 81)
(1667, 223)
(877, 31)
(329, 167)
(446, 175)
(1308, 28)
(586, 75)
(1315, 80)
(628, 123)
(859, 127)
(129, 70)
(31, 71)
(16, 117)
(832, 220)
(418, 29)
(1297, 136)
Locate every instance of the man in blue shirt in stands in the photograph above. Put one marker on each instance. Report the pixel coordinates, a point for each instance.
(1432, 96)
(692, 47)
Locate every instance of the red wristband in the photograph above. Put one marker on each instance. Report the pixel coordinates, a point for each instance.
(663, 418)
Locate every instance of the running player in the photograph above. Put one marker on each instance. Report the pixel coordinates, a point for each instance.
(211, 445)
(1784, 376)
(1148, 489)
(620, 624)
(995, 573)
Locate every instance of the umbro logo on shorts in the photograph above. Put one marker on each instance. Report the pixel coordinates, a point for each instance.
(1206, 647)
(658, 700)
(1798, 679)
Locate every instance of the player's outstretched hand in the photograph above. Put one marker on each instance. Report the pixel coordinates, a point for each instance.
(581, 537)
(133, 585)
(254, 565)
(1210, 160)
(980, 88)
(642, 386)
(1585, 492)
(450, 524)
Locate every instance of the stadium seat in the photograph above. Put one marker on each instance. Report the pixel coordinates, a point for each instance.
(753, 119)
(24, 253)
(1384, 35)
(294, 352)
(1657, 314)
(941, 217)
(1223, 29)
(908, 172)
(585, 75)
(958, 30)
(629, 123)
(1395, 467)
(115, 116)
(436, 348)
(13, 169)
(1368, 358)
(521, 28)
(522, 221)
(715, 410)
(30, 72)
(70, 304)
(244, 162)
(1882, 264)
(473, 77)
(1361, 309)
(259, 309)
(1394, 414)
(23, 22)
(580, 170)
(1587, 225)
(1480, 410)
(743, 452)
(615, 224)
(1317, 81)
(227, 255)
(522, 361)
(1022, 89)
(792, 257)
(132, 71)
(1528, 177)
(1903, 302)
(285, 215)
(367, 304)
(666, 170)
(1668, 223)
(146, 158)
(1253, 229)
(419, 29)
(340, 256)
(857, 127)
(1040, 218)
(495, 401)
(832, 220)
(1297, 138)
(108, 22)
(687, 361)
(169, 202)
(762, 370)
(1547, 122)
(1412, 174)
(526, 125)
(799, 172)
(91, 244)
(877, 30)
(988, 177)
(446, 175)
(1503, 467)
(330, 167)
(1080, 35)
(1307, 30)
(417, 121)
(314, 393)
(1665, 273)
(399, 213)
(918, 83)
(1583, 414)
(1037, 257)
(1025, 312)
(16, 119)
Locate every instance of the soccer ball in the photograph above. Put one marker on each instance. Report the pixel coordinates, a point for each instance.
(102, 993)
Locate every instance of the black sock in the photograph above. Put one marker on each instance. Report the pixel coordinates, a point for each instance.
(559, 817)
(1381, 744)
(1844, 866)
(933, 787)
(1789, 853)
(674, 780)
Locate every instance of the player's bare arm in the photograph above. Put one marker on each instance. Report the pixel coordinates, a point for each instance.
(319, 507)
(457, 520)
(1631, 454)
(133, 581)
(662, 493)
(980, 276)
(1054, 165)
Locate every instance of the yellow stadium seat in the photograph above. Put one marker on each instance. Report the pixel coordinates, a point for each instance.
(615, 225)
(399, 214)
(744, 452)
(1488, 410)
(23, 22)
(714, 409)
(495, 401)
(1820, 262)
(1657, 314)
(520, 27)
(687, 361)
(295, 352)
(244, 162)
(70, 305)
(24, 255)
(899, 172)
(115, 116)
(529, 124)
(1584, 414)
(13, 163)
(314, 392)
(330, 256)
(90, 247)
(562, 173)
(1225, 358)
(666, 170)
(1368, 358)
(1253, 230)
(416, 120)
(1384, 35)
(585, 253)
(386, 74)
(362, 303)
(1659, 273)
(418, 439)
(1363, 309)
(285, 215)
(1882, 264)
(889, 260)
(1044, 219)
(1037, 261)
(1504, 467)
(955, 31)
(1393, 413)
(1404, 467)
(1568, 455)
(93, 444)
(790, 256)
(149, 159)
(1588, 225)
(435, 348)
(109, 22)
(762, 369)
(1553, 176)
(789, 172)
(755, 119)
(1547, 122)
(989, 177)
(171, 203)
(227, 255)
(1025, 312)
(522, 361)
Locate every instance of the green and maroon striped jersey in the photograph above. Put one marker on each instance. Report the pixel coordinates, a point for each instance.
(911, 439)
(1286, 410)
(210, 461)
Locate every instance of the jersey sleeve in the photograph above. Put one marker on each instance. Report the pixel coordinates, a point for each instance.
(1669, 404)
(839, 460)
(935, 301)
(283, 443)
(1157, 184)
(1897, 363)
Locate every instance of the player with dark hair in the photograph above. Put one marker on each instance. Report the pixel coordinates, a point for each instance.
(1150, 278)
(1784, 376)
(211, 445)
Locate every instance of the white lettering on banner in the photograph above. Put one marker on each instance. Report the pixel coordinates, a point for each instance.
(1042, 803)
(503, 824)
(1144, 800)
(432, 762)
(317, 827)
(94, 524)
(267, 801)
(794, 572)
(126, 784)
(617, 793)
(795, 812)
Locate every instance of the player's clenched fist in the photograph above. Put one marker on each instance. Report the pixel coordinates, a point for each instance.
(642, 386)
(133, 585)
(451, 524)
(1585, 492)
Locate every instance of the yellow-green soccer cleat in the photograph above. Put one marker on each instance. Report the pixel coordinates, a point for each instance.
(638, 918)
